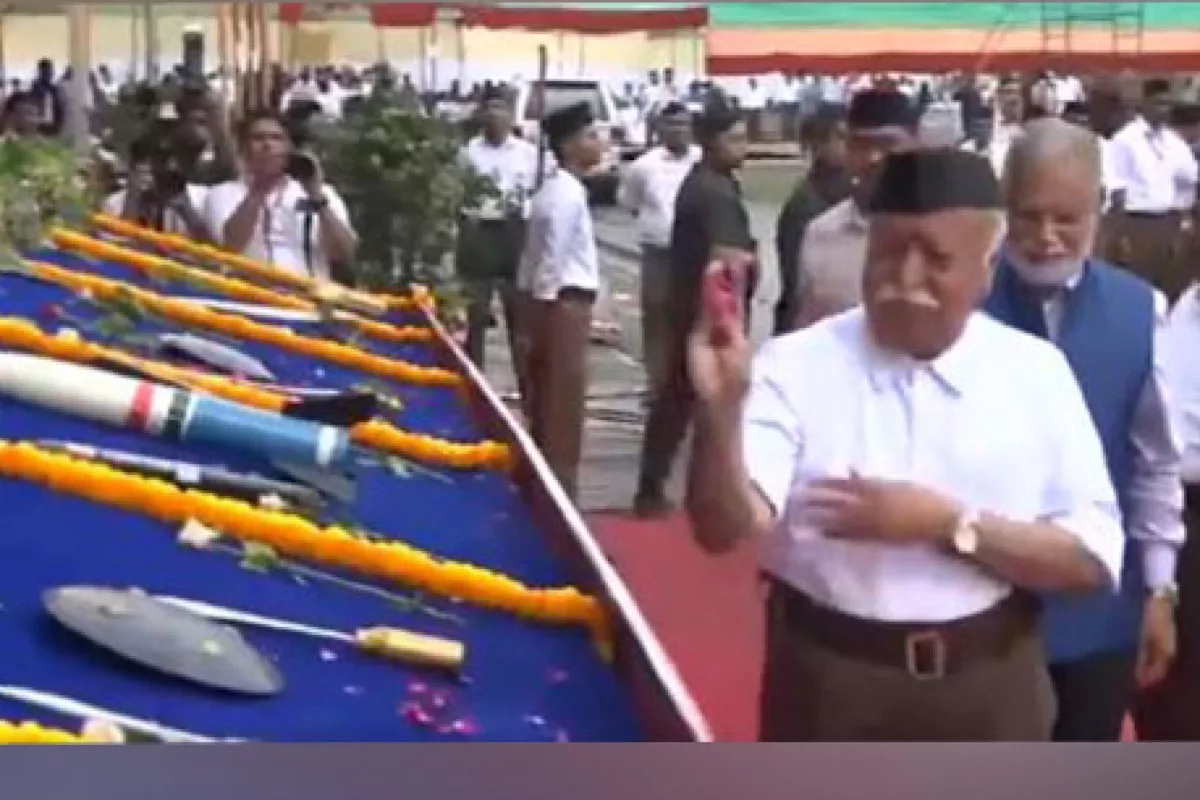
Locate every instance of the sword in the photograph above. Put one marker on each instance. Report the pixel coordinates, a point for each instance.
(75, 708)
(392, 643)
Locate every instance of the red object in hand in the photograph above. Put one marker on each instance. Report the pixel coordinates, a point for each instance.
(723, 298)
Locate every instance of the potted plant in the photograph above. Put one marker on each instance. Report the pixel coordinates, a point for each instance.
(406, 184)
(42, 184)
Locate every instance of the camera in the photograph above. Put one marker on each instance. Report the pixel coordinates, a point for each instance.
(302, 167)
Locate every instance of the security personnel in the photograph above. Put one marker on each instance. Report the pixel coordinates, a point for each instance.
(492, 235)
(710, 219)
(910, 498)
(834, 246)
(1111, 326)
(559, 277)
(827, 183)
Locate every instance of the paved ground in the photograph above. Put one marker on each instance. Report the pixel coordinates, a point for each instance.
(613, 435)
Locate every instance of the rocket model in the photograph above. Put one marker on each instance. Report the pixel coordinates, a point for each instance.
(168, 412)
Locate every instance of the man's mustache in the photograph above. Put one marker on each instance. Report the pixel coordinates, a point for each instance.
(918, 299)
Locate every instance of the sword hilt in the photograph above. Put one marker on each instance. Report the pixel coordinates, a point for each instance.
(412, 648)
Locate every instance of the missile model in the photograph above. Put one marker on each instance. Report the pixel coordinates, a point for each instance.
(171, 413)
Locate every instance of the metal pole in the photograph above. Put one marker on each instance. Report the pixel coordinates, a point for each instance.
(77, 114)
(151, 28)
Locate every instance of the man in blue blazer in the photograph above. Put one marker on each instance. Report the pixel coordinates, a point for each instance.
(1110, 325)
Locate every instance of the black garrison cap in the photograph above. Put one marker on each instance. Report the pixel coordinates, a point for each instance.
(566, 122)
(1186, 114)
(491, 92)
(1156, 86)
(1076, 108)
(931, 180)
(881, 108)
(718, 116)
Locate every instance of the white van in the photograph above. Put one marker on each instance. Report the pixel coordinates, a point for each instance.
(560, 93)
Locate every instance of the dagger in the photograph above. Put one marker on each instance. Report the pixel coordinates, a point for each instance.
(80, 710)
(392, 643)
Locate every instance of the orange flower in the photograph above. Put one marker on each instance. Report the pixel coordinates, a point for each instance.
(421, 298)
(155, 266)
(196, 315)
(300, 538)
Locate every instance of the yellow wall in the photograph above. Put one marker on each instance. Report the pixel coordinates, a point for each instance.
(27, 38)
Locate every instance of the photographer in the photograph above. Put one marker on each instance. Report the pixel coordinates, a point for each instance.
(281, 211)
(157, 196)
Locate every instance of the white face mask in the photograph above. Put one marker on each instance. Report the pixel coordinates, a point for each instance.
(1049, 274)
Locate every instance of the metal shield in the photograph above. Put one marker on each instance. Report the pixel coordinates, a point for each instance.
(164, 638)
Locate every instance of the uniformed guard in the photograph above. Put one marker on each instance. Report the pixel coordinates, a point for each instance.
(559, 278)
(827, 183)
(491, 235)
(710, 219)
(1110, 325)
(834, 245)
(910, 496)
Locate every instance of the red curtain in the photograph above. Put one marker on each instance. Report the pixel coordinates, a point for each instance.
(585, 20)
(403, 15)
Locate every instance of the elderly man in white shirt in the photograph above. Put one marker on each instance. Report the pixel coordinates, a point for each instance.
(914, 472)
(648, 191)
(294, 221)
(559, 277)
(1153, 167)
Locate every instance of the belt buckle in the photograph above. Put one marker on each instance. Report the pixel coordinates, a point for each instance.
(925, 656)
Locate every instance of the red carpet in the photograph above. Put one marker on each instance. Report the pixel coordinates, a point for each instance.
(706, 610)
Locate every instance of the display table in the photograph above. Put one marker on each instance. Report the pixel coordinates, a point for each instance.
(524, 679)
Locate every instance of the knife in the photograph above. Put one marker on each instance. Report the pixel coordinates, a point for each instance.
(74, 708)
(392, 643)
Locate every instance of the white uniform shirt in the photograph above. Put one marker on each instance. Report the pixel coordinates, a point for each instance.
(1002, 142)
(649, 190)
(512, 166)
(1155, 168)
(279, 235)
(1183, 378)
(998, 422)
(114, 204)
(560, 247)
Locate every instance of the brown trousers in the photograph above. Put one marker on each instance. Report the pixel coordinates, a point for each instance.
(655, 294)
(1171, 712)
(554, 340)
(813, 694)
(1153, 247)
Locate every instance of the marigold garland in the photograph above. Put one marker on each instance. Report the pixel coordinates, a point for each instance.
(377, 434)
(33, 733)
(196, 315)
(421, 297)
(156, 266)
(300, 538)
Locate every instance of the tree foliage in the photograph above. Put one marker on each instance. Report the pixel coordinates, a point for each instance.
(42, 184)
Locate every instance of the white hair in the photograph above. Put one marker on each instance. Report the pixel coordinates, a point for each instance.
(1052, 141)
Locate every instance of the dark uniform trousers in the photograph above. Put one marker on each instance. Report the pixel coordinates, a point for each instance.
(1170, 712)
(487, 258)
(554, 350)
(1155, 247)
(833, 678)
(655, 296)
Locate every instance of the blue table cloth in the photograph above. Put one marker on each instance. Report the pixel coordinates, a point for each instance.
(524, 681)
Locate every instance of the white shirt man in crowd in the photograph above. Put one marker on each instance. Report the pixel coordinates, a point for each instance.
(1153, 167)
(156, 196)
(491, 236)
(648, 191)
(295, 222)
(910, 497)
(559, 277)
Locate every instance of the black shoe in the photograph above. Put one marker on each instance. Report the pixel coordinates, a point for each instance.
(651, 505)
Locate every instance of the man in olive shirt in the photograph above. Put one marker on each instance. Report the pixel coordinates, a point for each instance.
(826, 184)
(710, 222)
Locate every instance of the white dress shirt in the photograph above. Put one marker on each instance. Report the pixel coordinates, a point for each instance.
(560, 247)
(114, 204)
(1002, 141)
(1155, 512)
(649, 189)
(997, 422)
(1154, 167)
(512, 165)
(279, 234)
(1183, 378)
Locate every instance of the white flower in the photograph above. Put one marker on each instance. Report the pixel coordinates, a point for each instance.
(197, 535)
